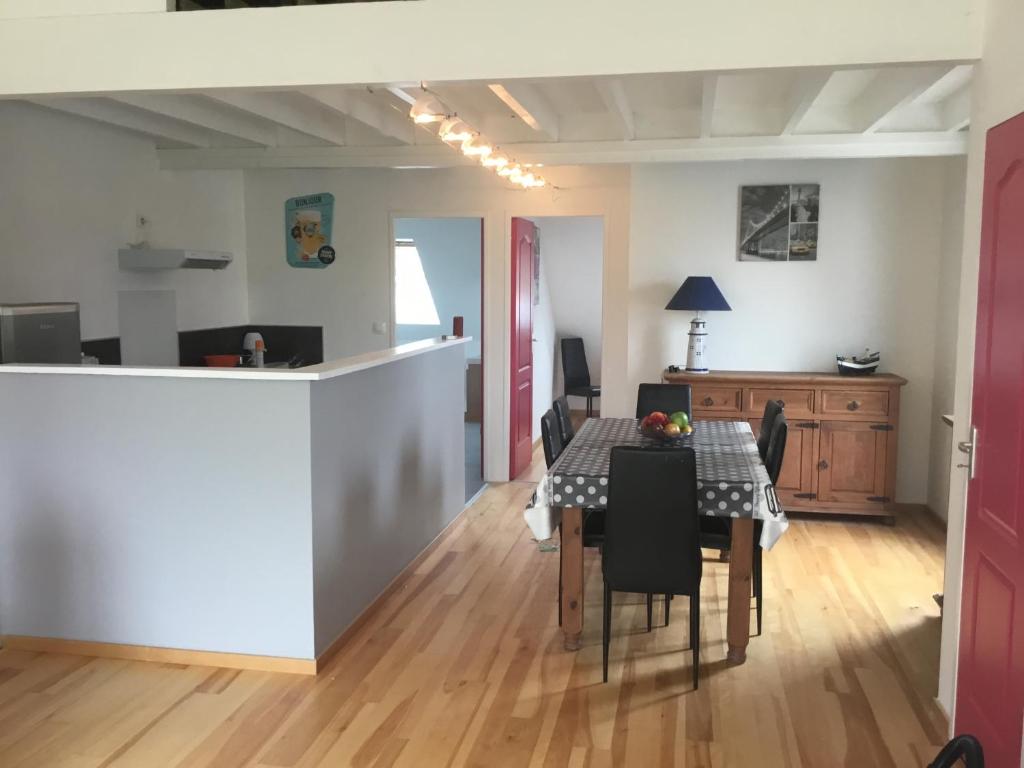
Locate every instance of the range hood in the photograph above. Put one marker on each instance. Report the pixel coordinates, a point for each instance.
(171, 258)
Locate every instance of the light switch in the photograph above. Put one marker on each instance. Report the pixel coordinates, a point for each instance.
(380, 327)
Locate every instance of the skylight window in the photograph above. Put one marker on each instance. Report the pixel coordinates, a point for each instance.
(414, 303)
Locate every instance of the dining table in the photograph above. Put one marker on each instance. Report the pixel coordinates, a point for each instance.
(732, 482)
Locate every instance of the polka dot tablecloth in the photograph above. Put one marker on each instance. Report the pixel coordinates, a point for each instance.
(731, 480)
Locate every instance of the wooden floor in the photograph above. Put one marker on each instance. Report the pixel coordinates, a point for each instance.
(462, 665)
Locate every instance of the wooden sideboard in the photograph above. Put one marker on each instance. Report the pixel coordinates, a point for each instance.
(843, 433)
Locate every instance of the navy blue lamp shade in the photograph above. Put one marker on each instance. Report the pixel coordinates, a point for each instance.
(699, 293)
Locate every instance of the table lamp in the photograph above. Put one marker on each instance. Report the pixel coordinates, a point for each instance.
(699, 294)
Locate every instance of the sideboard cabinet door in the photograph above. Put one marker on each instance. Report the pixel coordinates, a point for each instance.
(852, 462)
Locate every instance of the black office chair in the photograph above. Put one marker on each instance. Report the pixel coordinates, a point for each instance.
(651, 544)
(576, 372)
(667, 398)
(716, 532)
(771, 409)
(964, 748)
(561, 409)
(593, 519)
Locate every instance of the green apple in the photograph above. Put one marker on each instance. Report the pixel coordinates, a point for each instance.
(680, 419)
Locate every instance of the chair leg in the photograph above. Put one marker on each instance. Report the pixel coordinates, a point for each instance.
(695, 636)
(758, 585)
(650, 610)
(559, 574)
(668, 604)
(607, 630)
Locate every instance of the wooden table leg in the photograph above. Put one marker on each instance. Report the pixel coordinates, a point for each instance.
(740, 561)
(572, 577)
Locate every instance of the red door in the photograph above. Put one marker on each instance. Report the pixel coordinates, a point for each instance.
(521, 407)
(990, 677)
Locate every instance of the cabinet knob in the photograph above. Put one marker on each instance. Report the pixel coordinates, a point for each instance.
(709, 401)
(823, 465)
(853, 405)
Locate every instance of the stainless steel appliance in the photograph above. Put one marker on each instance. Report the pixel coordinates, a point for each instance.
(40, 333)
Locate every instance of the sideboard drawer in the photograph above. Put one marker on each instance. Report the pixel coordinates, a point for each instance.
(712, 399)
(868, 402)
(797, 402)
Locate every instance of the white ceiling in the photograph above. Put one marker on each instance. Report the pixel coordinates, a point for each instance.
(921, 109)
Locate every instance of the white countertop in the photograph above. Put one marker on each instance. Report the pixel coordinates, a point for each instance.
(328, 370)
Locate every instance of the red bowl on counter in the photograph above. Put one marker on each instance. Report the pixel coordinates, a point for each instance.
(221, 361)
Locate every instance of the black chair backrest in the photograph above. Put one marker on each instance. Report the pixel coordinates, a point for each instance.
(652, 538)
(667, 398)
(574, 363)
(561, 409)
(776, 448)
(965, 748)
(771, 409)
(550, 437)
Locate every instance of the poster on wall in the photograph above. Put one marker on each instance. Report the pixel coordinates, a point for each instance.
(779, 222)
(308, 223)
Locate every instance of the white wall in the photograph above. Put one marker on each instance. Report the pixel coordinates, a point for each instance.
(946, 316)
(997, 94)
(347, 297)
(544, 347)
(572, 249)
(875, 283)
(70, 192)
(449, 250)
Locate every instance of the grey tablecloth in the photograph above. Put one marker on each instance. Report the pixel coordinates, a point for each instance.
(731, 480)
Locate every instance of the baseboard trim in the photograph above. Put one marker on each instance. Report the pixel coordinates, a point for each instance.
(160, 655)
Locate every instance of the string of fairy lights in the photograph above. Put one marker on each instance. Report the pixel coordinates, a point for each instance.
(457, 133)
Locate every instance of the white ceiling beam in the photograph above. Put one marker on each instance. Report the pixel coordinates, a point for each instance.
(806, 89)
(613, 94)
(891, 90)
(804, 146)
(123, 116)
(956, 110)
(530, 105)
(383, 119)
(284, 109)
(203, 113)
(709, 92)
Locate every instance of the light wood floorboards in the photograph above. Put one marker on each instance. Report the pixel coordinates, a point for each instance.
(462, 665)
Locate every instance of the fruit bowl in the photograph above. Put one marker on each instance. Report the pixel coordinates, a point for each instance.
(662, 428)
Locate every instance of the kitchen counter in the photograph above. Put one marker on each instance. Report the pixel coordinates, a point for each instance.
(320, 372)
(229, 517)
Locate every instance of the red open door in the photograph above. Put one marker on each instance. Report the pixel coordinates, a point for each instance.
(524, 234)
(990, 676)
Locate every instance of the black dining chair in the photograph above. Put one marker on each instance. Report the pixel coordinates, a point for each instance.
(716, 532)
(550, 437)
(962, 751)
(561, 409)
(651, 542)
(576, 372)
(593, 519)
(667, 398)
(771, 409)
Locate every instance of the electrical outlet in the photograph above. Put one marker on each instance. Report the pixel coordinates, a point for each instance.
(380, 327)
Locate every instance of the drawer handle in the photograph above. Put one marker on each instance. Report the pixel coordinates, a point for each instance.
(708, 401)
(782, 404)
(853, 405)
(823, 465)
